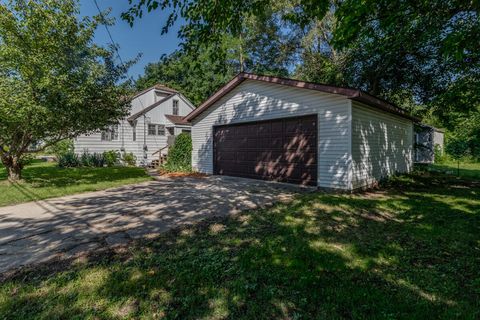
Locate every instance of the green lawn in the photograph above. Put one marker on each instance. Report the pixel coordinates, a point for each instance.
(43, 180)
(409, 251)
(471, 170)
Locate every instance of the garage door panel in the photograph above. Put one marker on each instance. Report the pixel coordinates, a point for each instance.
(281, 150)
(299, 142)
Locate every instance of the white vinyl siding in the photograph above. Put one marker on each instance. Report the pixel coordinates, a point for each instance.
(255, 100)
(110, 133)
(132, 139)
(175, 107)
(382, 145)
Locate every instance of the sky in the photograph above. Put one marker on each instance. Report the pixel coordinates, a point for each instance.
(144, 37)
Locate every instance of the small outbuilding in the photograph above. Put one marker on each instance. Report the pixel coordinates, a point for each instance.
(427, 140)
(279, 129)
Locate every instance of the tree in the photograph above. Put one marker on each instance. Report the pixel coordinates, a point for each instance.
(196, 75)
(207, 22)
(54, 82)
(320, 61)
(262, 47)
(420, 55)
(423, 48)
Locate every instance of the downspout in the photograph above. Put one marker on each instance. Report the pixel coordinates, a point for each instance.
(122, 149)
(144, 137)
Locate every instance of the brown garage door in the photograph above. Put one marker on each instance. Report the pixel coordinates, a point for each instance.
(281, 150)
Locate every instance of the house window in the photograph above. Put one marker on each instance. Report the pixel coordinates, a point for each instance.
(156, 129)
(134, 132)
(152, 129)
(175, 107)
(110, 134)
(161, 130)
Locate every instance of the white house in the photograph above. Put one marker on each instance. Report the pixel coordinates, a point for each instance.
(299, 132)
(156, 116)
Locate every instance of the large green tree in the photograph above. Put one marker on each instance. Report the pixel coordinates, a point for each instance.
(420, 54)
(261, 47)
(54, 82)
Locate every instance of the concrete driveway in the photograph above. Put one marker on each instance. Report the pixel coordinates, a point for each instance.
(63, 227)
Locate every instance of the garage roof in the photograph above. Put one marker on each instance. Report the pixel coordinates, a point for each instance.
(350, 93)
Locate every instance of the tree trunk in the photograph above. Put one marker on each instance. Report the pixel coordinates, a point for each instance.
(14, 168)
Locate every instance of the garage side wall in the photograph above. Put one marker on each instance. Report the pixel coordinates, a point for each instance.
(382, 145)
(255, 101)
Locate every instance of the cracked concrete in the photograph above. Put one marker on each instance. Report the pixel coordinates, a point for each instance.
(64, 227)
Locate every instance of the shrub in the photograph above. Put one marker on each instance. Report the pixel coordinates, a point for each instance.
(440, 155)
(180, 154)
(111, 158)
(129, 159)
(60, 148)
(68, 160)
(92, 159)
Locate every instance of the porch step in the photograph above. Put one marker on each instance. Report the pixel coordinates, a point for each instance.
(158, 162)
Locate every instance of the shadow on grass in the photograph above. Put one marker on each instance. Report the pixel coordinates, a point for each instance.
(52, 176)
(467, 170)
(408, 251)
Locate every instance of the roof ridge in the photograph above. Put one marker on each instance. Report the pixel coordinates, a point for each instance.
(350, 93)
(157, 86)
(150, 107)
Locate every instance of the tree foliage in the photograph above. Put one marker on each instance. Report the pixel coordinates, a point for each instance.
(263, 47)
(208, 21)
(195, 76)
(54, 82)
(421, 55)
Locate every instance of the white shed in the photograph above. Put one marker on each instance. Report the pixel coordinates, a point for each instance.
(286, 130)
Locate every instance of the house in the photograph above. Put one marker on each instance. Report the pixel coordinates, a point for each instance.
(427, 138)
(155, 118)
(286, 130)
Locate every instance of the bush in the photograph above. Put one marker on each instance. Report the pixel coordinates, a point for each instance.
(92, 159)
(111, 158)
(68, 160)
(440, 155)
(129, 159)
(180, 155)
(60, 148)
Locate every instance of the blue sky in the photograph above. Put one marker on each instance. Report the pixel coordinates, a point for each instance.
(144, 37)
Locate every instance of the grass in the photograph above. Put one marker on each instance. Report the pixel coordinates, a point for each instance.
(43, 180)
(410, 250)
(467, 169)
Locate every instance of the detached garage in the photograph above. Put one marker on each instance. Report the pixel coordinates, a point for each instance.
(291, 131)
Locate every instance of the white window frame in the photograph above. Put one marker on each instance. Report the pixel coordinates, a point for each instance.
(175, 107)
(152, 126)
(159, 129)
(110, 133)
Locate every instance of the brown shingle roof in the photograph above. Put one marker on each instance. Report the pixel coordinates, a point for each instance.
(350, 93)
(177, 119)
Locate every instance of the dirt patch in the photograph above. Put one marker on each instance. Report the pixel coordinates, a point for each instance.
(182, 174)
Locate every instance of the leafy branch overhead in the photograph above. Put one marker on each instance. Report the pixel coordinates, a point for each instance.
(208, 21)
(422, 55)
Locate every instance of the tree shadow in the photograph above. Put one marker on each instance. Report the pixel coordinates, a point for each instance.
(53, 176)
(407, 250)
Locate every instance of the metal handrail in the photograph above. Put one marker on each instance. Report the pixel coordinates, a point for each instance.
(159, 150)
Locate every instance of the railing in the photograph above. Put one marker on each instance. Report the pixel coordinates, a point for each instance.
(170, 142)
(160, 150)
